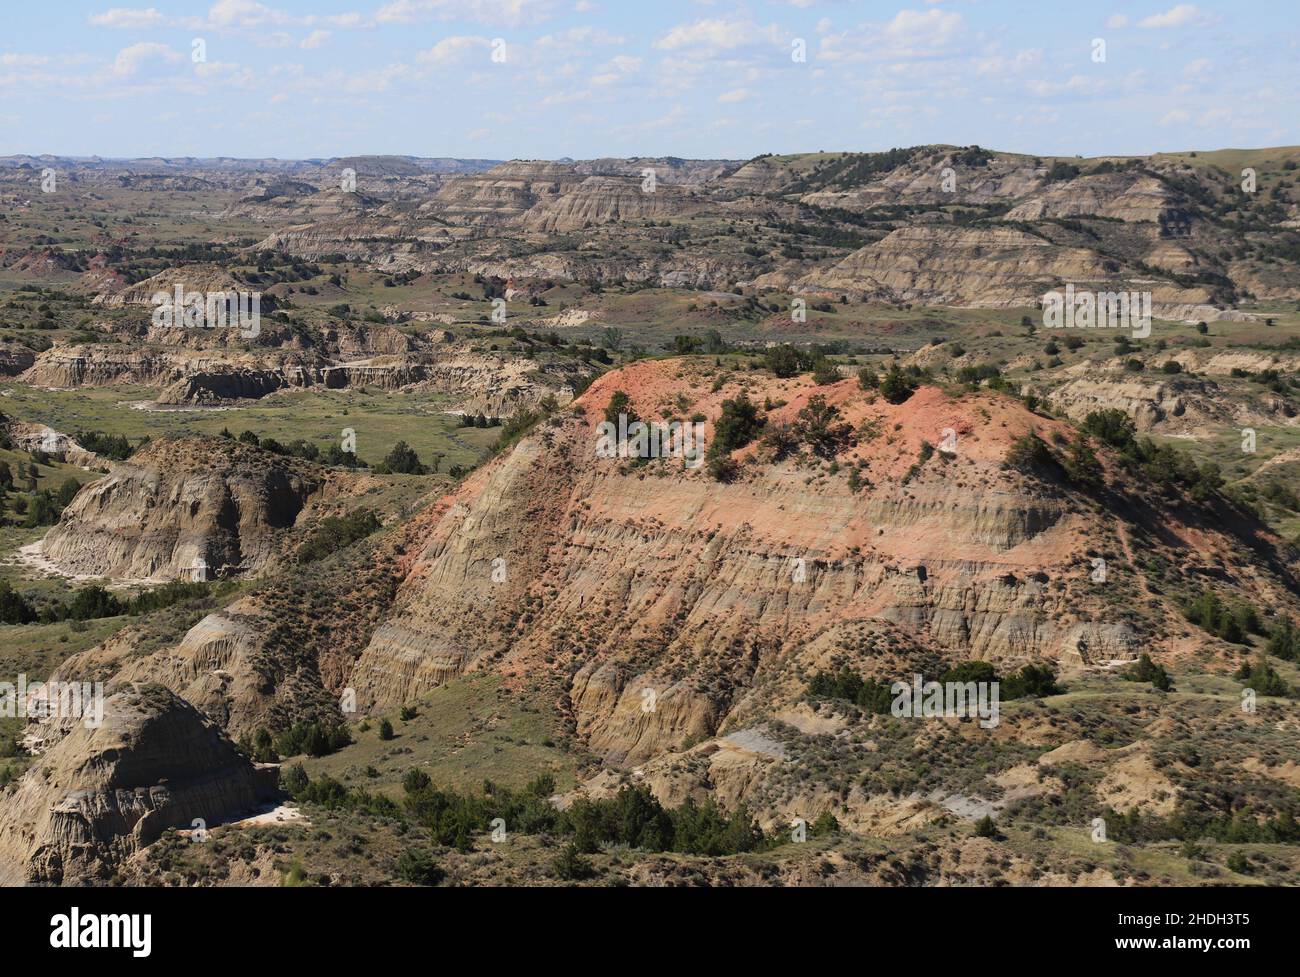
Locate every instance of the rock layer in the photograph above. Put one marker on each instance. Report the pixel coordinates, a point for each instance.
(98, 794)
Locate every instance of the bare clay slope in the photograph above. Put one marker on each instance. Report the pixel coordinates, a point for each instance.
(196, 508)
(98, 794)
(720, 598)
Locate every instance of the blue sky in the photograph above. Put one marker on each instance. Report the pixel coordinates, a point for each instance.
(586, 78)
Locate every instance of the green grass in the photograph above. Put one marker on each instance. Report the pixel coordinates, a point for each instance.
(465, 732)
(37, 649)
(379, 418)
(48, 476)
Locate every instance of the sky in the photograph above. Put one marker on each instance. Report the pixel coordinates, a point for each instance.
(532, 79)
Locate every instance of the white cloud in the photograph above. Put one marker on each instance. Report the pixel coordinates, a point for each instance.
(503, 13)
(1176, 117)
(23, 60)
(225, 15)
(998, 65)
(130, 59)
(735, 95)
(717, 36)
(1179, 16)
(1117, 21)
(127, 17)
(574, 42)
(933, 26)
(314, 40)
(910, 35)
(615, 69)
(247, 14)
(452, 49)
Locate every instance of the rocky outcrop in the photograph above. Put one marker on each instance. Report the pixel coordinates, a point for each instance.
(504, 192)
(497, 384)
(1171, 405)
(602, 200)
(983, 268)
(661, 584)
(215, 387)
(99, 794)
(191, 508)
(38, 437)
(15, 359)
(192, 278)
(296, 202)
(1130, 197)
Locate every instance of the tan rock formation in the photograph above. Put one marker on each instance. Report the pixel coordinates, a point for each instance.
(98, 794)
(189, 508)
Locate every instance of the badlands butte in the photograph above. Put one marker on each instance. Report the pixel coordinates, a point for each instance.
(367, 603)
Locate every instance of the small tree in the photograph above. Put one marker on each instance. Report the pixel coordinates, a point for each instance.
(294, 780)
(896, 387)
(784, 361)
(571, 866)
(738, 425)
(385, 729)
(1028, 454)
(780, 441)
(825, 373)
(418, 867)
(620, 404)
(402, 460)
(817, 426)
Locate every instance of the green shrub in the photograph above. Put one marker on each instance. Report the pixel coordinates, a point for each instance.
(895, 386)
(737, 426)
(418, 867)
(819, 427)
(338, 532)
(1146, 670)
(1029, 454)
(571, 866)
(1262, 677)
(312, 739)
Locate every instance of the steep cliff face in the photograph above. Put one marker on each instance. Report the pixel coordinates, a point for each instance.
(191, 508)
(504, 192)
(981, 267)
(498, 384)
(603, 199)
(192, 278)
(295, 202)
(639, 582)
(15, 359)
(96, 795)
(1129, 197)
(677, 619)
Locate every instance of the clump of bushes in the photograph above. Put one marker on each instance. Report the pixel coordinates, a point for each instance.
(1230, 622)
(1264, 679)
(1145, 670)
(337, 532)
(312, 739)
